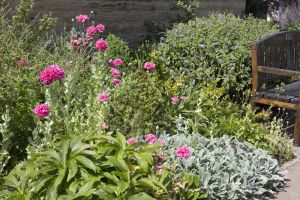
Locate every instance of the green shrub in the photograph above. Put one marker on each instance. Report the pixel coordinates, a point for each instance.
(96, 167)
(137, 105)
(99, 167)
(214, 115)
(227, 168)
(209, 48)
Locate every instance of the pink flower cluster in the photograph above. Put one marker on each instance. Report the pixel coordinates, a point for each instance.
(149, 66)
(92, 30)
(132, 141)
(84, 41)
(116, 73)
(82, 18)
(41, 110)
(100, 28)
(183, 152)
(103, 97)
(175, 100)
(104, 126)
(22, 63)
(101, 45)
(150, 138)
(52, 73)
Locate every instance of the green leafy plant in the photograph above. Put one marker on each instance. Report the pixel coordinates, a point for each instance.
(206, 49)
(227, 168)
(214, 115)
(87, 167)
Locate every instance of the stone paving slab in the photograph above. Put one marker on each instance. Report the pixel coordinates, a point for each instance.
(292, 190)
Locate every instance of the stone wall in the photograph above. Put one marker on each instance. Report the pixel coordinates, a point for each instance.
(127, 18)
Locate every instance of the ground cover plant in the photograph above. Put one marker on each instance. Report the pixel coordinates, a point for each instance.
(81, 115)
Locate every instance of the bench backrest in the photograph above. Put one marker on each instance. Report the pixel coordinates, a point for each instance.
(276, 55)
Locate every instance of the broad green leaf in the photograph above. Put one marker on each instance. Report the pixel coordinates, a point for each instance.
(86, 162)
(122, 140)
(147, 183)
(120, 164)
(141, 196)
(73, 168)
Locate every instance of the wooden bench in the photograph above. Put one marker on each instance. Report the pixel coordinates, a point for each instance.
(274, 59)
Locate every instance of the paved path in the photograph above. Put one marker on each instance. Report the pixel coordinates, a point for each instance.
(292, 190)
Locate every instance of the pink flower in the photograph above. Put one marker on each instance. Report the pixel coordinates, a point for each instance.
(101, 45)
(75, 43)
(158, 167)
(104, 126)
(183, 152)
(183, 98)
(116, 73)
(82, 18)
(100, 28)
(149, 66)
(132, 141)
(117, 62)
(161, 141)
(41, 110)
(91, 30)
(174, 100)
(104, 97)
(150, 138)
(52, 73)
(22, 63)
(116, 81)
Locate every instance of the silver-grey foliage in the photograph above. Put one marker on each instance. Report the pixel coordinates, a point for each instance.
(228, 169)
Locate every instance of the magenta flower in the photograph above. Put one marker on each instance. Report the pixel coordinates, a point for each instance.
(91, 30)
(116, 81)
(52, 73)
(149, 66)
(116, 73)
(150, 138)
(22, 63)
(75, 43)
(161, 141)
(183, 98)
(183, 152)
(41, 110)
(101, 45)
(117, 62)
(104, 126)
(100, 28)
(82, 18)
(104, 97)
(132, 141)
(158, 167)
(174, 100)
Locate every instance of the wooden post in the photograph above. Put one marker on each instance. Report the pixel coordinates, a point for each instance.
(297, 126)
(254, 73)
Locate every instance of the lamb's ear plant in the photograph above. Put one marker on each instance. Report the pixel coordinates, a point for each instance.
(227, 168)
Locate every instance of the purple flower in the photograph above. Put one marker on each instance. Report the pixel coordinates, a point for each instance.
(41, 110)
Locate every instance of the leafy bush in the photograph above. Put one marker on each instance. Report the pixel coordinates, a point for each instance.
(228, 169)
(95, 167)
(209, 48)
(137, 105)
(214, 115)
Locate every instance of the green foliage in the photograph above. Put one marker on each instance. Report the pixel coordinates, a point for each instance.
(209, 48)
(88, 167)
(227, 168)
(214, 115)
(137, 105)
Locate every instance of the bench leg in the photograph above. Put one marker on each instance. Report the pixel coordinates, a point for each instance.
(297, 129)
